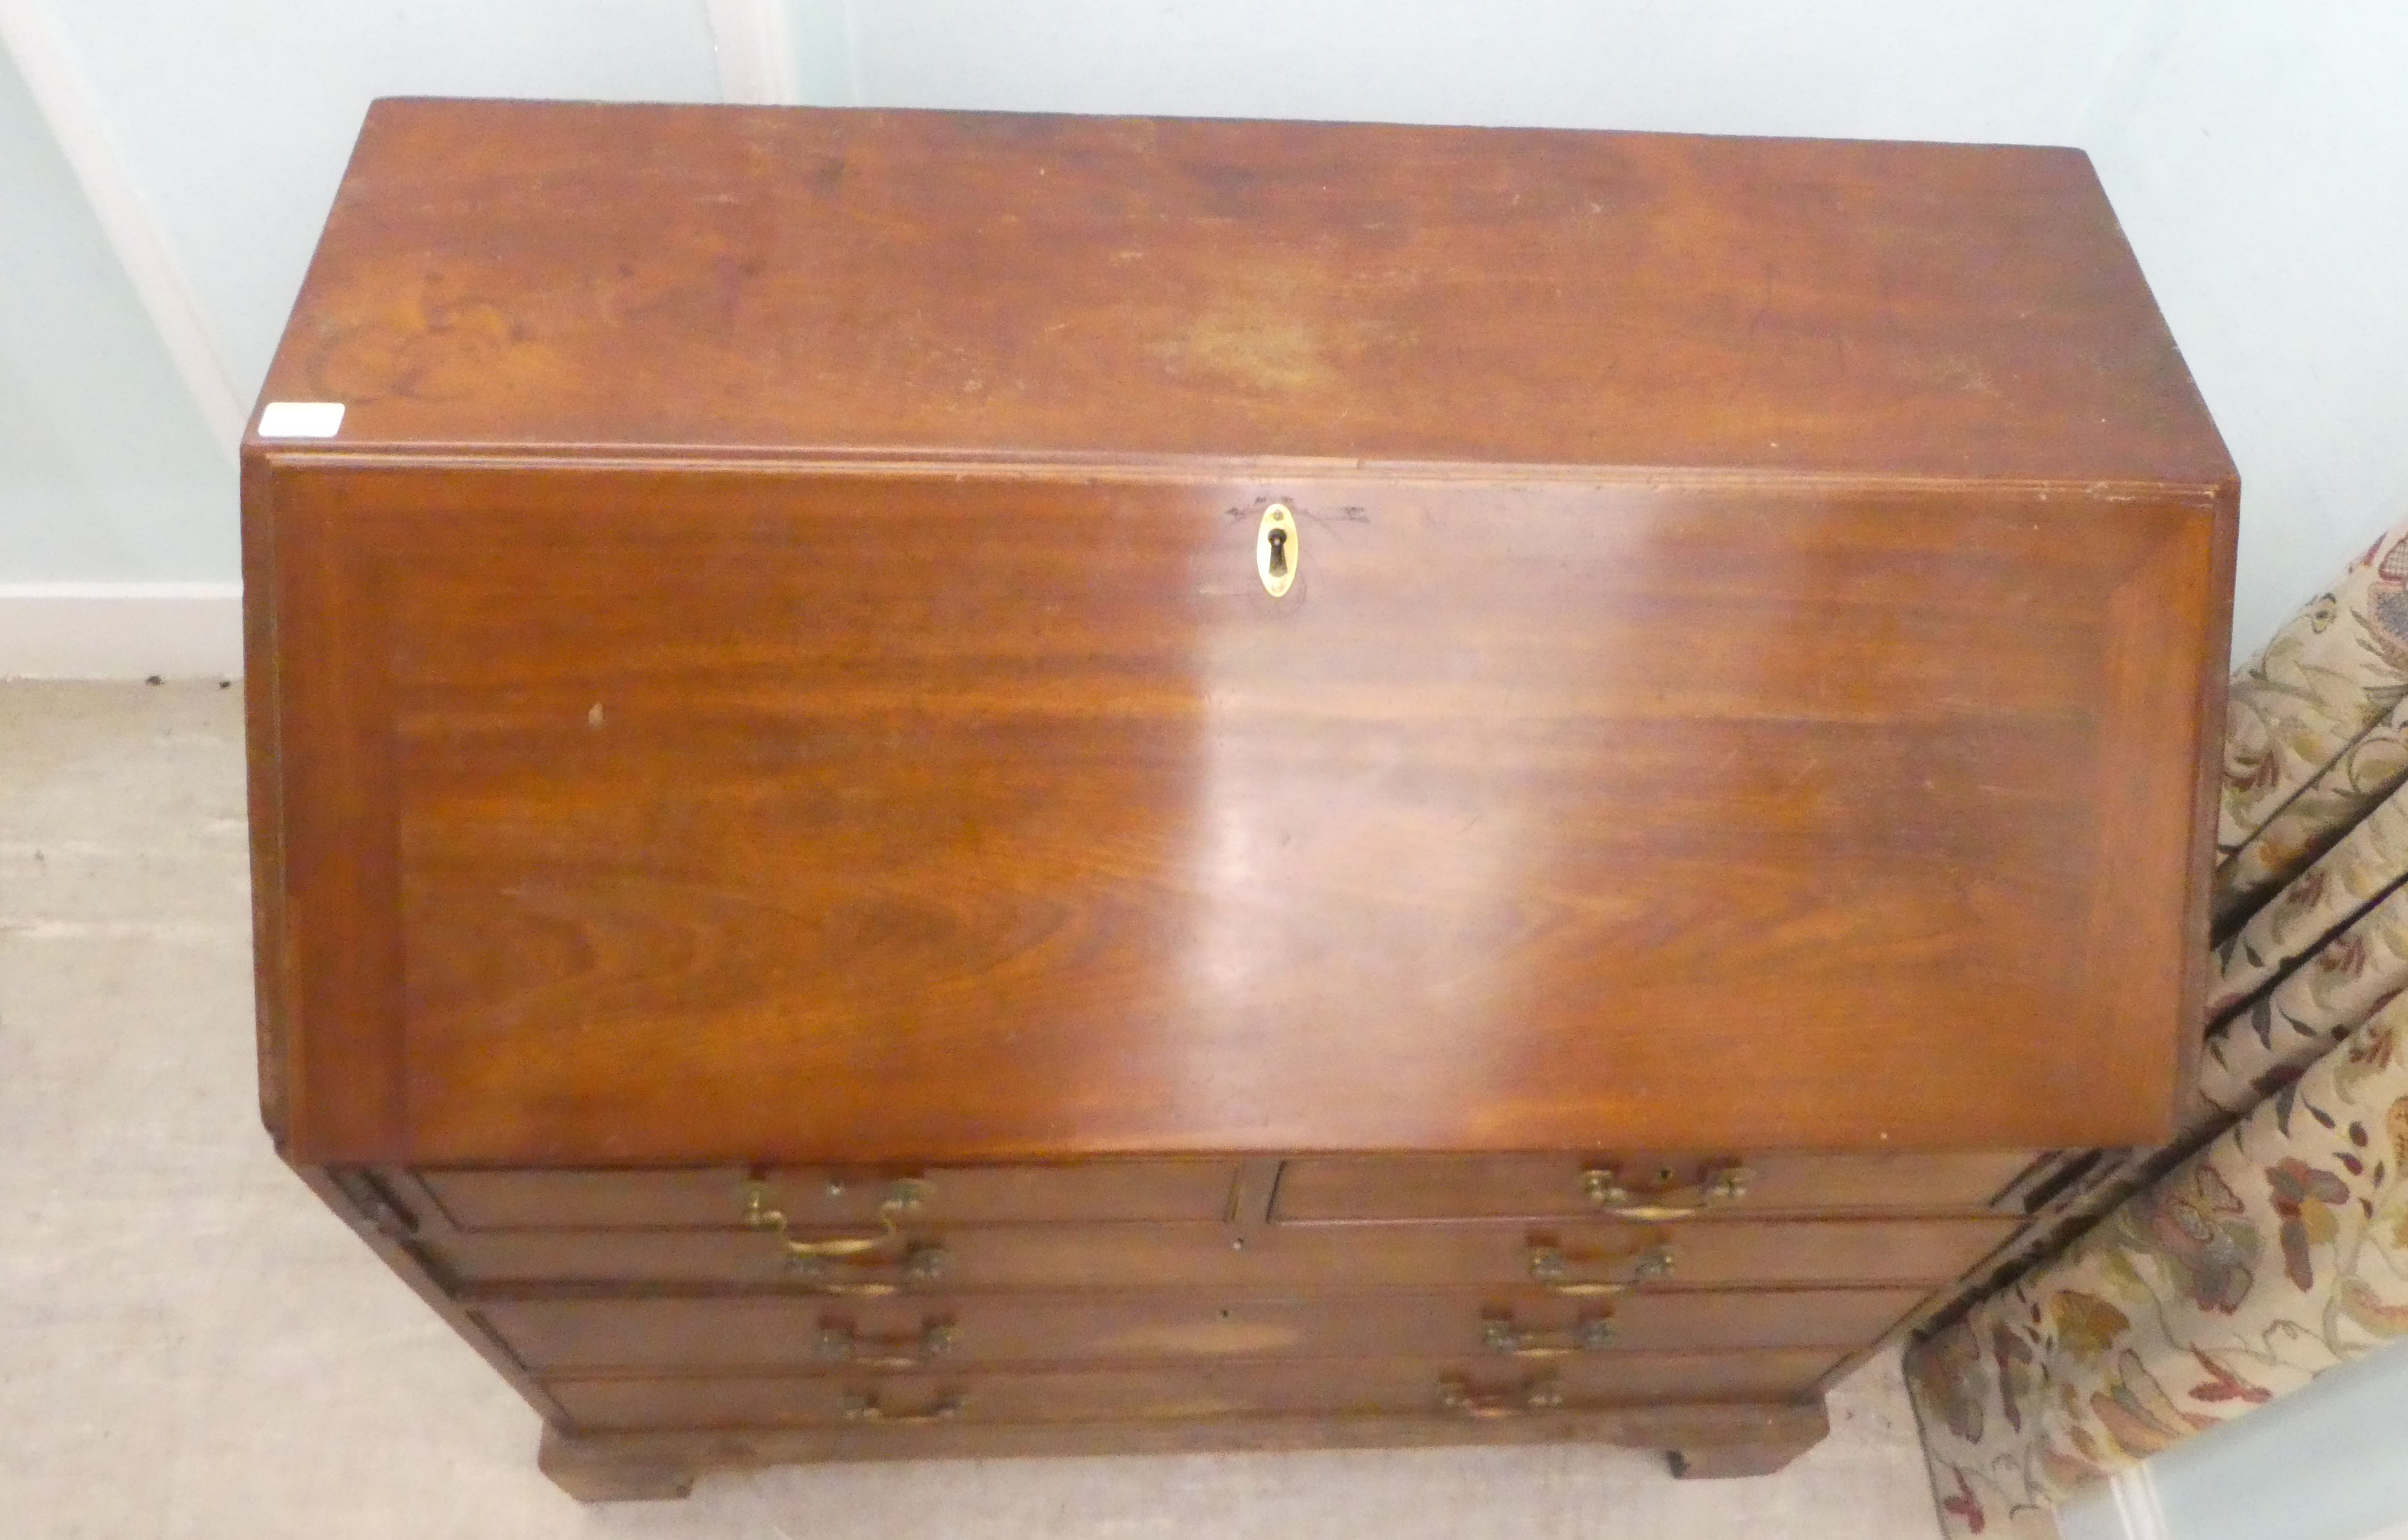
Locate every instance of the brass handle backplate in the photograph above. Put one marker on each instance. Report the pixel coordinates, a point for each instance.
(1499, 1334)
(1276, 549)
(869, 1277)
(1551, 1266)
(903, 1197)
(1456, 1395)
(839, 1343)
(1665, 1199)
(866, 1409)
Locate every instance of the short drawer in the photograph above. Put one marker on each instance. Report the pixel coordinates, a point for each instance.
(1337, 1189)
(1574, 1259)
(728, 1334)
(708, 1197)
(1468, 1388)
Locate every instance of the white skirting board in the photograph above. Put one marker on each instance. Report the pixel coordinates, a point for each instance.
(2124, 1507)
(121, 631)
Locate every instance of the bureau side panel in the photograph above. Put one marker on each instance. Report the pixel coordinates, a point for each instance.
(808, 815)
(264, 760)
(326, 823)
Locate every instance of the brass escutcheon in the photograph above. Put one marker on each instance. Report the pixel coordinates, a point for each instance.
(1276, 549)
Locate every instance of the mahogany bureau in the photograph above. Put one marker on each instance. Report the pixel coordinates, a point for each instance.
(935, 783)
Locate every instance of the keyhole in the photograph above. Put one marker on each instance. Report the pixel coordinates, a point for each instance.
(1278, 547)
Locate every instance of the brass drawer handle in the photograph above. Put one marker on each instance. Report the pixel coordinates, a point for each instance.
(1499, 1334)
(1456, 1395)
(904, 1197)
(1550, 1266)
(839, 1343)
(864, 1408)
(869, 1277)
(1726, 1183)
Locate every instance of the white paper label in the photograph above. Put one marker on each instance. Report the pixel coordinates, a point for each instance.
(300, 419)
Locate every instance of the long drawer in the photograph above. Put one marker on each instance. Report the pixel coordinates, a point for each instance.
(1312, 1190)
(1469, 1388)
(1573, 1258)
(782, 1333)
(703, 1197)
(1333, 1189)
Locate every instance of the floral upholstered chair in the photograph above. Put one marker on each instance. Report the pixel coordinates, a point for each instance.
(2270, 1242)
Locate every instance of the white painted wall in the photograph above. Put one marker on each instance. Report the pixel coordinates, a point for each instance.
(2329, 1463)
(107, 470)
(2258, 155)
(236, 117)
(2255, 152)
(2004, 70)
(226, 125)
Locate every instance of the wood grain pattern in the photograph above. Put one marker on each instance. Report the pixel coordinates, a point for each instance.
(331, 971)
(1321, 1258)
(1365, 1388)
(1735, 1461)
(1330, 1188)
(714, 1197)
(769, 845)
(772, 677)
(610, 1467)
(277, 1011)
(520, 274)
(1344, 1188)
(703, 1334)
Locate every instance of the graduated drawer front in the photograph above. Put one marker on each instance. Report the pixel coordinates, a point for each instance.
(705, 1197)
(1468, 1387)
(1869, 1252)
(842, 1336)
(1331, 1189)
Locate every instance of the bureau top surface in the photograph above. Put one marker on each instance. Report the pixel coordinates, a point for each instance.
(935, 284)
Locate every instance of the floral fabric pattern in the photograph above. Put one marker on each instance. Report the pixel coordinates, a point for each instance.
(2347, 879)
(2278, 1247)
(2266, 1042)
(2366, 772)
(2328, 679)
(2275, 1253)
